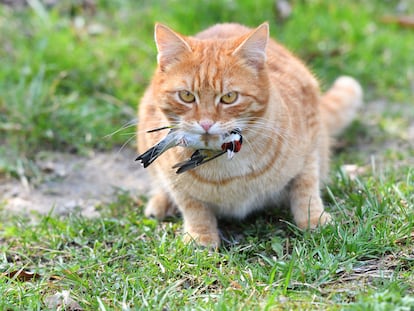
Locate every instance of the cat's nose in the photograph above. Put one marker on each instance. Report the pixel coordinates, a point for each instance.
(206, 124)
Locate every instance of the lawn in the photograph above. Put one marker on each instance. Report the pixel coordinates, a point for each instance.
(71, 76)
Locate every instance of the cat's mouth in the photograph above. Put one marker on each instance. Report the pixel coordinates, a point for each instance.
(203, 141)
(210, 141)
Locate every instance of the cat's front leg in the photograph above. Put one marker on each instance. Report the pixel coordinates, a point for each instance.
(160, 206)
(200, 222)
(305, 200)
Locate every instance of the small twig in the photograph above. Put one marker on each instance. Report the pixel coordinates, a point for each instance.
(403, 21)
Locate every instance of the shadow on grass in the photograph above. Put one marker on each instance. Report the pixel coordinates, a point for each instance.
(258, 227)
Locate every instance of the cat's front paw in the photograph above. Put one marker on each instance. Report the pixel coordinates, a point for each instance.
(160, 206)
(206, 238)
(314, 221)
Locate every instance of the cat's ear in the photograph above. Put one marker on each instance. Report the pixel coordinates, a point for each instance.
(170, 45)
(253, 47)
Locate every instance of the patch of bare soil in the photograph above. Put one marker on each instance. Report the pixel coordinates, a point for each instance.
(75, 183)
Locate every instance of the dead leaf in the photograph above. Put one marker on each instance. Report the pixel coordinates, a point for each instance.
(25, 276)
(62, 301)
(235, 285)
(22, 275)
(56, 278)
(408, 239)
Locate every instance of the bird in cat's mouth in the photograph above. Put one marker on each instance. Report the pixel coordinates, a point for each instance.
(232, 142)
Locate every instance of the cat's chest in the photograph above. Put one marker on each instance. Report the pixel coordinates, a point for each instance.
(243, 180)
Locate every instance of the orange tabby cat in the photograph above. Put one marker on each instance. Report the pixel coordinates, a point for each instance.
(228, 77)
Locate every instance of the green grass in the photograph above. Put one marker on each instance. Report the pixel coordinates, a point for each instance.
(69, 78)
(364, 260)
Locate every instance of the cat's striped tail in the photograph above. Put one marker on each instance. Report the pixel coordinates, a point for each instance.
(340, 104)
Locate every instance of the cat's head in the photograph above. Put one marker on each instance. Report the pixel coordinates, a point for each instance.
(211, 86)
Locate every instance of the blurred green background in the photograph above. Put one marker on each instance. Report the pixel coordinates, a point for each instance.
(72, 72)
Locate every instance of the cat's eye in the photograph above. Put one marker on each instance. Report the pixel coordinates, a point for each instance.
(186, 96)
(229, 98)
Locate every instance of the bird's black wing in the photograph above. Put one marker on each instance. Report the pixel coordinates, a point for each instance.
(198, 158)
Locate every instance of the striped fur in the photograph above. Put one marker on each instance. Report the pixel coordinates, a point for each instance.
(286, 126)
